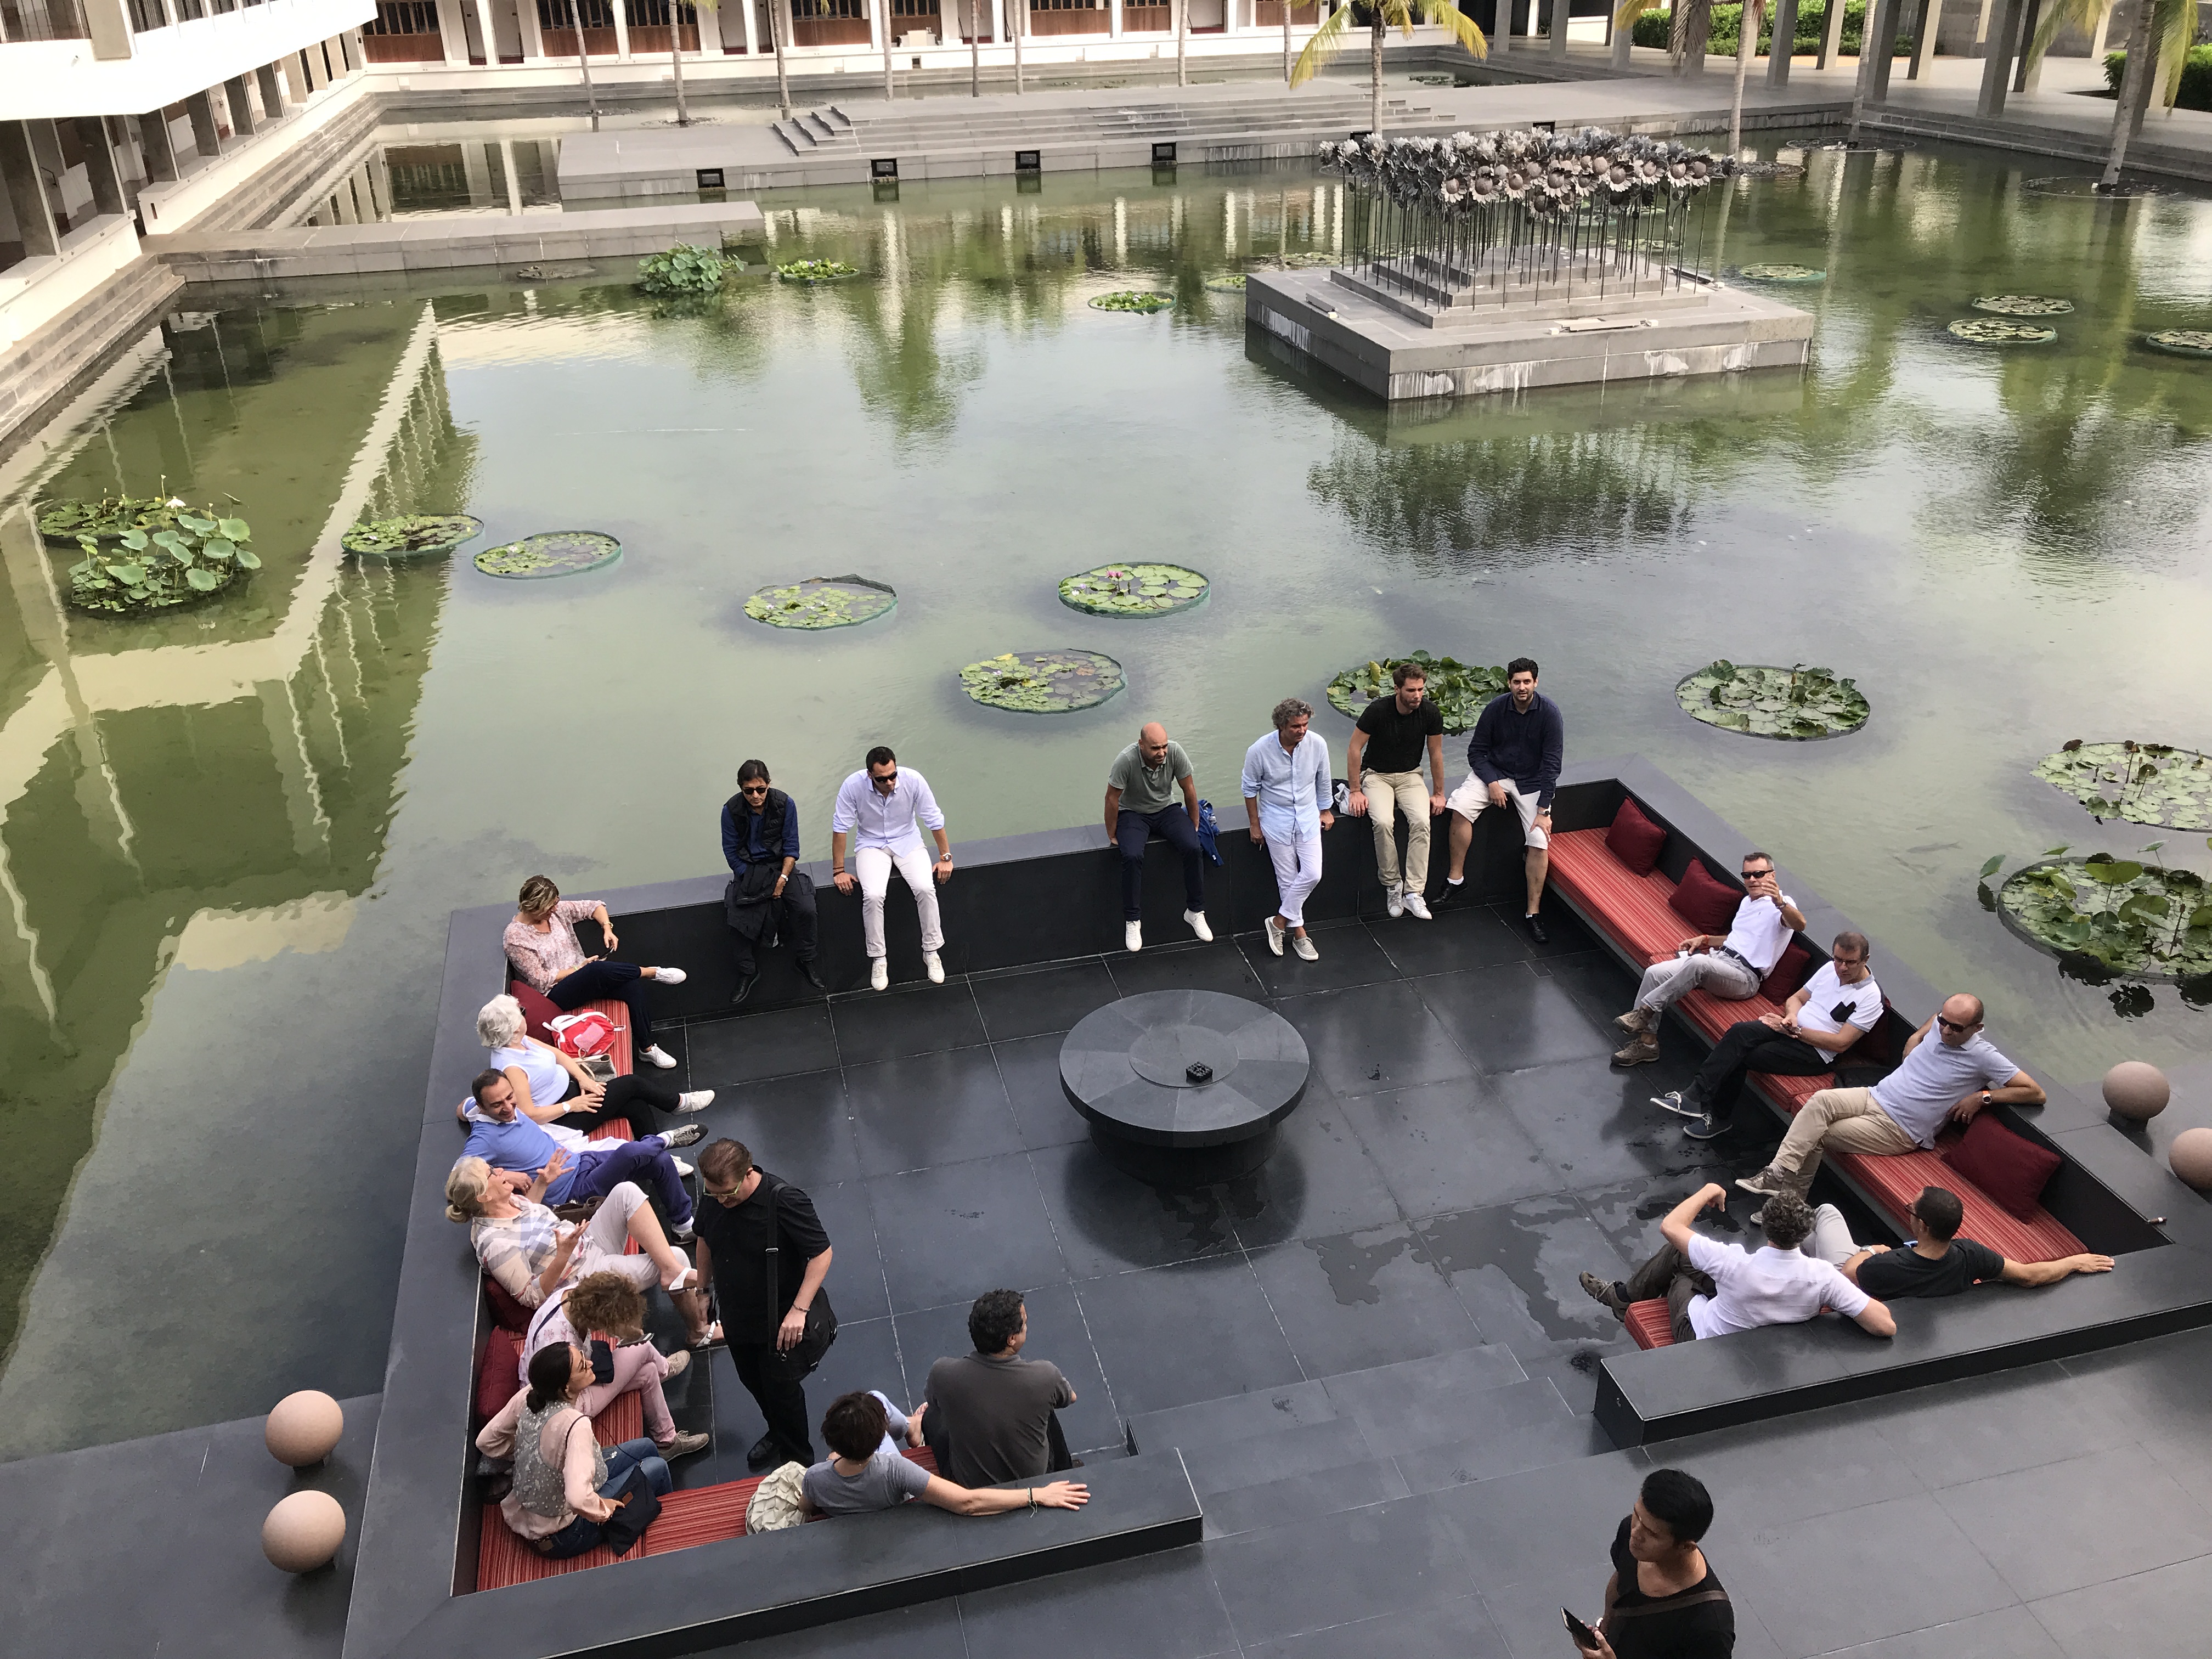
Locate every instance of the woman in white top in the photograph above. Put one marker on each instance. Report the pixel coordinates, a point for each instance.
(550, 1084)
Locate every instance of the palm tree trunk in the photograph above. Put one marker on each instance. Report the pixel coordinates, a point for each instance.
(778, 11)
(884, 21)
(1017, 27)
(1375, 73)
(583, 62)
(676, 63)
(2135, 87)
(1746, 46)
(1183, 34)
(1286, 42)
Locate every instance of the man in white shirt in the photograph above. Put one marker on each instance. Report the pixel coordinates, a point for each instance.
(1715, 1289)
(1289, 800)
(1950, 1079)
(878, 808)
(1731, 967)
(1818, 1025)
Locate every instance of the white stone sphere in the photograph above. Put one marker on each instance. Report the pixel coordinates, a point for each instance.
(304, 1428)
(2190, 1155)
(304, 1531)
(2137, 1091)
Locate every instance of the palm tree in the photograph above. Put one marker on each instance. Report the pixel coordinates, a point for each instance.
(1379, 15)
(779, 24)
(583, 62)
(676, 51)
(1690, 25)
(883, 22)
(1183, 34)
(2160, 41)
(1286, 44)
(1746, 47)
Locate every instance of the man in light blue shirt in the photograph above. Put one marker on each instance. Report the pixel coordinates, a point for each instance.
(1289, 799)
(877, 810)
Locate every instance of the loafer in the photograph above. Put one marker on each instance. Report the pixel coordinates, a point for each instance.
(807, 972)
(1535, 926)
(763, 1452)
(1274, 936)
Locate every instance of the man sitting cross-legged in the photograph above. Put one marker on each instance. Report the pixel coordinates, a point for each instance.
(1940, 1263)
(1730, 968)
(1839, 1005)
(1715, 1289)
(1953, 1077)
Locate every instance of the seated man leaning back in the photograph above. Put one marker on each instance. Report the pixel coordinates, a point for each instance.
(1731, 967)
(507, 1140)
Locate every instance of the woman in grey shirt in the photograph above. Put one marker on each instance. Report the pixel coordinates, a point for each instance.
(866, 1469)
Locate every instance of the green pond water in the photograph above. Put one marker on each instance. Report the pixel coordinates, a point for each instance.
(229, 838)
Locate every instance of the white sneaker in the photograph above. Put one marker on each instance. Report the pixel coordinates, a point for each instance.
(1304, 947)
(1196, 921)
(682, 1168)
(1417, 906)
(657, 1055)
(879, 975)
(670, 976)
(1133, 935)
(698, 1101)
(1274, 936)
(1394, 900)
(934, 966)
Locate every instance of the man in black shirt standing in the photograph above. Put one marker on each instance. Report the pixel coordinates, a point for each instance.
(778, 1323)
(1663, 1601)
(1384, 768)
(1940, 1263)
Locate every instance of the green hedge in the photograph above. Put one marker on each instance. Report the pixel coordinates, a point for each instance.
(2196, 76)
(1651, 29)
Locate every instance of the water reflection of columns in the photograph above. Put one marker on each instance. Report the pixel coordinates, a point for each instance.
(514, 184)
(295, 771)
(1121, 232)
(475, 169)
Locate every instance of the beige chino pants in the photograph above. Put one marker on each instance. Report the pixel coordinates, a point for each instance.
(1845, 1120)
(1389, 794)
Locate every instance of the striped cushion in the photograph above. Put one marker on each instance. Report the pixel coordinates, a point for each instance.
(503, 1560)
(1651, 1323)
(1630, 906)
(710, 1513)
(1894, 1183)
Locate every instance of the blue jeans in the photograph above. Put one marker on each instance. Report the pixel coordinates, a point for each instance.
(646, 1161)
(584, 1534)
(1133, 830)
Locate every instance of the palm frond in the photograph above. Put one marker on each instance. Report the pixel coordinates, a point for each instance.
(2082, 15)
(1445, 14)
(1327, 40)
(1632, 9)
(2172, 32)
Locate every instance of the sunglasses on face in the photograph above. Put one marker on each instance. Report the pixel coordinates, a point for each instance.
(891, 776)
(1956, 1025)
(752, 788)
(1754, 875)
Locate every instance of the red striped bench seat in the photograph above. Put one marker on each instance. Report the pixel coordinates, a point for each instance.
(1631, 912)
(1651, 1323)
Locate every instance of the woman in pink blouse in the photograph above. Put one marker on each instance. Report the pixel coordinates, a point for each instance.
(541, 944)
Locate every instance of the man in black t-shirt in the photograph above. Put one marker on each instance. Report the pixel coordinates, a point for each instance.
(1663, 1601)
(1384, 769)
(1940, 1263)
(774, 1325)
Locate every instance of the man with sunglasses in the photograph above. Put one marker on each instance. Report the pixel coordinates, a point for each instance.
(1731, 968)
(878, 808)
(1953, 1077)
(1817, 1025)
(769, 896)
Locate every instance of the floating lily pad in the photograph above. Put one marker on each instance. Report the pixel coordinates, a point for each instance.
(822, 602)
(1782, 275)
(816, 271)
(1306, 261)
(553, 553)
(1134, 590)
(1460, 691)
(1763, 701)
(2120, 916)
(68, 523)
(1995, 331)
(2140, 782)
(1043, 682)
(415, 535)
(2022, 305)
(1143, 301)
(1228, 283)
(2181, 341)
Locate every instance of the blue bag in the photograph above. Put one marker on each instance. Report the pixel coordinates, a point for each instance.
(1209, 835)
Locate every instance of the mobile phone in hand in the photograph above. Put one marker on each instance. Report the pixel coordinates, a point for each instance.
(1585, 1637)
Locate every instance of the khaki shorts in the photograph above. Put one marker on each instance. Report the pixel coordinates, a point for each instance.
(1472, 798)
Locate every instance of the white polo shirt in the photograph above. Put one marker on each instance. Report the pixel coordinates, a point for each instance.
(1758, 934)
(1825, 993)
(1766, 1286)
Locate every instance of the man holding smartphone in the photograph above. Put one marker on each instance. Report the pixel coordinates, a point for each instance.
(1663, 1601)
(1731, 968)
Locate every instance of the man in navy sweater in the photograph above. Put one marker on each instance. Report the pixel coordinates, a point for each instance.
(1513, 759)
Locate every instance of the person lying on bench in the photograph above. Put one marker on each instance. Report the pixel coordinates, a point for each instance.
(550, 1084)
(503, 1138)
(1940, 1263)
(608, 1305)
(1715, 1289)
(1840, 1004)
(564, 1481)
(1730, 968)
(1950, 1079)
(865, 1469)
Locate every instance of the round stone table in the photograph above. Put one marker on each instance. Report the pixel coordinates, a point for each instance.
(1184, 1087)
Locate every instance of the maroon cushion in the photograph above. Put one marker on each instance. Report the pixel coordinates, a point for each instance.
(537, 1008)
(505, 1312)
(1704, 901)
(1634, 839)
(2009, 1169)
(496, 1377)
(1788, 976)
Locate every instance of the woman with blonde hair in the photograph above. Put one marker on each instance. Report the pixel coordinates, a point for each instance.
(604, 1309)
(541, 944)
(550, 1084)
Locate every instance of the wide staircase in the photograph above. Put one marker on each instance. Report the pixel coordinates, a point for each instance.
(943, 125)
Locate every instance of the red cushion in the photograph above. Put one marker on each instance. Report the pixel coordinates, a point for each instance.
(2009, 1168)
(1788, 976)
(496, 1374)
(503, 1560)
(1707, 904)
(1634, 839)
(537, 1008)
(505, 1312)
(1651, 1323)
(1629, 908)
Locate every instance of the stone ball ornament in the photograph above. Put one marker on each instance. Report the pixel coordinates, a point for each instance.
(2137, 1091)
(304, 1428)
(303, 1531)
(2190, 1155)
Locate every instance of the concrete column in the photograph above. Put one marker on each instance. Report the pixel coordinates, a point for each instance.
(622, 30)
(1622, 40)
(242, 121)
(295, 77)
(1882, 40)
(1832, 35)
(342, 202)
(1785, 37)
(1927, 24)
(533, 33)
(272, 92)
(2097, 42)
(484, 28)
(1558, 15)
(1997, 67)
(26, 191)
(513, 180)
(999, 21)
(157, 147)
(452, 30)
(1113, 19)
(100, 164)
(378, 172)
(205, 139)
(109, 26)
(751, 10)
(317, 71)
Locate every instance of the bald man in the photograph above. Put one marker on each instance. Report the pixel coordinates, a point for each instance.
(1951, 1078)
(1141, 787)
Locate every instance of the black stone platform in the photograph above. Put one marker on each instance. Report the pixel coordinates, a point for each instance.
(1184, 1087)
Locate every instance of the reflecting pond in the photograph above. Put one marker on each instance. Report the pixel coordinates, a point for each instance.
(229, 837)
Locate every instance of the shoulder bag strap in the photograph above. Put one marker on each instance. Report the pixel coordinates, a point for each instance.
(1665, 1604)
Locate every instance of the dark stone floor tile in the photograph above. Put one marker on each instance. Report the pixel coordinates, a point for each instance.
(1030, 1071)
(1782, 1472)
(1605, 986)
(1282, 1453)
(948, 1235)
(1299, 1497)
(1041, 1000)
(1189, 967)
(2148, 1387)
(2146, 1615)
(1628, 1212)
(1538, 1522)
(1387, 1558)
(1509, 1018)
(1568, 935)
(751, 1046)
(1161, 1606)
(1515, 1266)
(1596, 1125)
(1573, 1369)
(1461, 936)
(1108, 1221)
(1229, 1420)
(1496, 1432)
(1356, 1300)
(856, 1283)
(1173, 1336)
(929, 1631)
(1373, 1037)
(1348, 955)
(800, 1126)
(1057, 1333)
(864, 1355)
(1319, 1181)
(1986, 1426)
(1447, 1147)
(1417, 1403)
(2061, 1527)
(930, 1109)
(922, 1019)
(2007, 1633)
(1459, 1629)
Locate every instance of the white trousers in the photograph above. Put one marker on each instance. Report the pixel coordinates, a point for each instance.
(872, 865)
(1298, 872)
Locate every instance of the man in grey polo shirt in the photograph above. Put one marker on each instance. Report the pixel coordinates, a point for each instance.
(1953, 1077)
(1141, 789)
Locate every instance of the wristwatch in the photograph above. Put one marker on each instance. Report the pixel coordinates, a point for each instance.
(1987, 1101)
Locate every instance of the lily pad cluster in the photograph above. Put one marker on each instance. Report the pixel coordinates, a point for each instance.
(1043, 682)
(1997, 331)
(67, 523)
(411, 535)
(1459, 689)
(552, 553)
(2023, 305)
(2135, 917)
(2181, 341)
(1782, 275)
(822, 602)
(1764, 700)
(816, 271)
(1144, 302)
(2152, 783)
(1228, 283)
(1134, 590)
(178, 557)
(684, 270)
